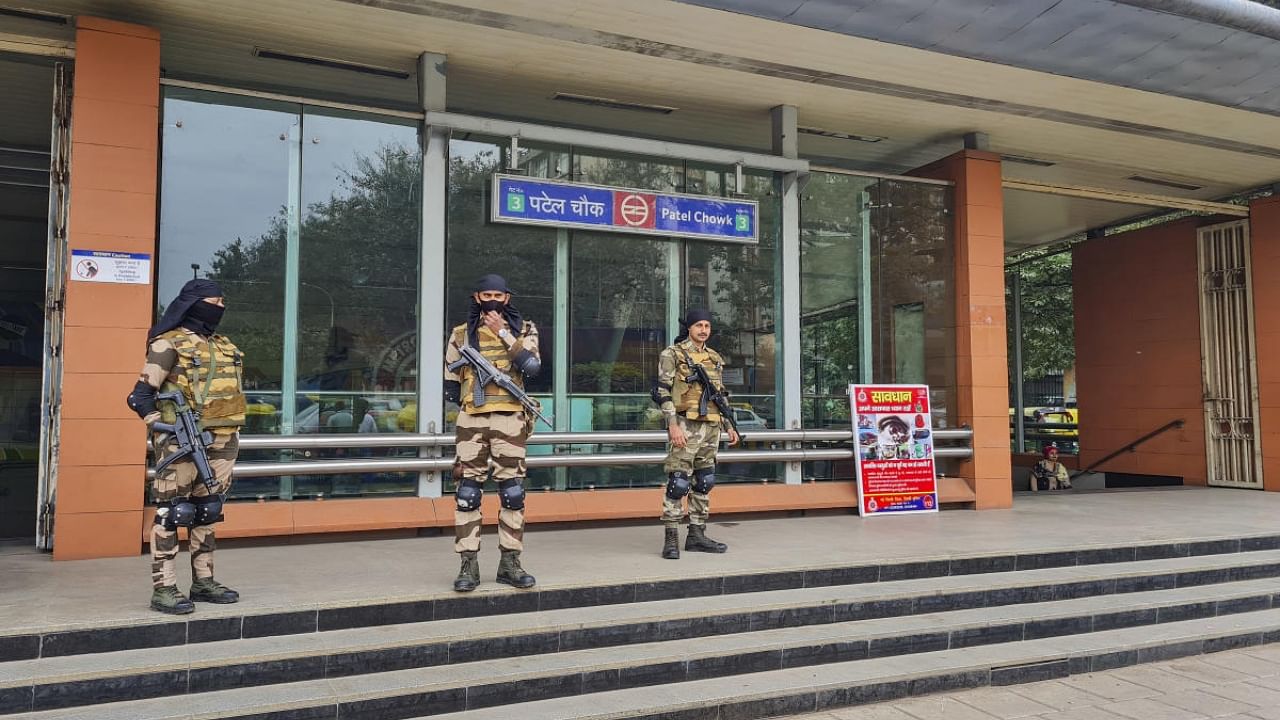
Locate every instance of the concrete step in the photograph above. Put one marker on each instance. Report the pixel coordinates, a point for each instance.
(515, 678)
(135, 674)
(839, 685)
(214, 624)
(530, 688)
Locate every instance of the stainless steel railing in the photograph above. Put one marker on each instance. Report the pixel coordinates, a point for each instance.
(558, 458)
(369, 440)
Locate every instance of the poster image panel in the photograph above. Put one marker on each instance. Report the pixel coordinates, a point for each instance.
(893, 433)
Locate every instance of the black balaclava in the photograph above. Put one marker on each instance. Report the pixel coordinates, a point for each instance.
(203, 318)
(185, 310)
(691, 316)
(485, 284)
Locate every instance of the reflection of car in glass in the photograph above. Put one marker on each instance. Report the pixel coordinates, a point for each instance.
(748, 420)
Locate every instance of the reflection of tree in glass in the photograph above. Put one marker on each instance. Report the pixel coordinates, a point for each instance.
(742, 293)
(358, 273)
(619, 289)
(909, 234)
(1048, 320)
(525, 256)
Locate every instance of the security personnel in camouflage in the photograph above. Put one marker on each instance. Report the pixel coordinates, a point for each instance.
(493, 431)
(184, 354)
(694, 436)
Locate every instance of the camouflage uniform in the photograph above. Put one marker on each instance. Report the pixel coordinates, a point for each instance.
(690, 470)
(209, 373)
(491, 437)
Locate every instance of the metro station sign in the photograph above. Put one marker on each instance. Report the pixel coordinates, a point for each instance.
(554, 203)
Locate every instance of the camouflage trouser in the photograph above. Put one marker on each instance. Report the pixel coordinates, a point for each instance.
(702, 439)
(482, 438)
(179, 480)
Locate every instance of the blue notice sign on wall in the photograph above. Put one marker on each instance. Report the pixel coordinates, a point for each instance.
(576, 205)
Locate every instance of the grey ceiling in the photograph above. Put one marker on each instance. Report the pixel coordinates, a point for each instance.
(1088, 39)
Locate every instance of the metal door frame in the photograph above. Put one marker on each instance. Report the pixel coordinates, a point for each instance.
(1212, 347)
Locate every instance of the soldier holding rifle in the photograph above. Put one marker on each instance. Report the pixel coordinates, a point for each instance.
(690, 390)
(486, 363)
(195, 423)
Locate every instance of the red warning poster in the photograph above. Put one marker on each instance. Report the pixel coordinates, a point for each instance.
(894, 435)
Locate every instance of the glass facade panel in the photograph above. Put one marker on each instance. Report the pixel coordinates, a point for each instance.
(877, 296)
(246, 182)
(226, 175)
(361, 195)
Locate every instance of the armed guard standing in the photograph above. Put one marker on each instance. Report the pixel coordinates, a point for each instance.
(185, 356)
(691, 393)
(486, 362)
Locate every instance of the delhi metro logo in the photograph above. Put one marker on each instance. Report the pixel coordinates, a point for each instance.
(634, 210)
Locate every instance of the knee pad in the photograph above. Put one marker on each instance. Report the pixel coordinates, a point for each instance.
(208, 510)
(175, 514)
(511, 492)
(468, 495)
(677, 484)
(704, 479)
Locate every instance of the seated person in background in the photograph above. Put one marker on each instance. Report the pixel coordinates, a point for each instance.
(1049, 474)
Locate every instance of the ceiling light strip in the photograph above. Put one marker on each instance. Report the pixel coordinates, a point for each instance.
(1128, 198)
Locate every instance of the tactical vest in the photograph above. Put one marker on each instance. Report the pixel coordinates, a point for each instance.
(686, 395)
(209, 374)
(495, 351)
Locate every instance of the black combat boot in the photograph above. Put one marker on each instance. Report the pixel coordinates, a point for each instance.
(469, 575)
(671, 544)
(167, 599)
(211, 591)
(697, 541)
(510, 572)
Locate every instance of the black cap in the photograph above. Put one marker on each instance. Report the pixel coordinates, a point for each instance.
(492, 283)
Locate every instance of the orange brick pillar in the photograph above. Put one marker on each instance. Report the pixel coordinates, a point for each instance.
(982, 364)
(1264, 234)
(102, 460)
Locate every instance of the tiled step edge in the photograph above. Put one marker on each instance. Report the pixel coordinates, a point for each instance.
(768, 651)
(165, 632)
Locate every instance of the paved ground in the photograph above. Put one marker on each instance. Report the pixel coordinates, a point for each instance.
(37, 593)
(1237, 685)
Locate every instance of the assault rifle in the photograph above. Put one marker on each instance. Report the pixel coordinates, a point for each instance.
(191, 440)
(710, 393)
(484, 373)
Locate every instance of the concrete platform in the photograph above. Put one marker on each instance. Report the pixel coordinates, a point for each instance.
(37, 594)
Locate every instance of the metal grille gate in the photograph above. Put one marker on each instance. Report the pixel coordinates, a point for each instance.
(55, 297)
(1228, 356)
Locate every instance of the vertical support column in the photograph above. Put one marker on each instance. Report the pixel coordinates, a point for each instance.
(1019, 427)
(674, 310)
(865, 364)
(432, 73)
(1264, 239)
(560, 369)
(982, 363)
(786, 144)
(292, 289)
(100, 507)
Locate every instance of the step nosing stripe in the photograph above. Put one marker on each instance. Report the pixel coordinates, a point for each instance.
(266, 618)
(777, 647)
